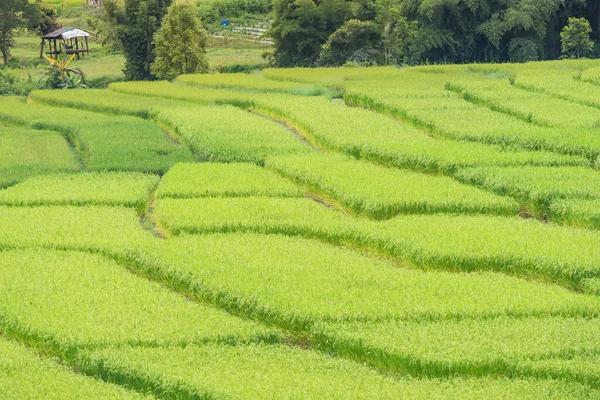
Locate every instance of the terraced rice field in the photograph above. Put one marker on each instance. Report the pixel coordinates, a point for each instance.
(426, 233)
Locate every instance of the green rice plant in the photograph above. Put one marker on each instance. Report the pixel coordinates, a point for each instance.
(502, 345)
(25, 375)
(561, 83)
(581, 368)
(214, 133)
(537, 185)
(129, 189)
(108, 229)
(389, 142)
(330, 75)
(64, 299)
(582, 213)
(261, 371)
(249, 82)
(168, 90)
(26, 152)
(452, 117)
(224, 180)
(381, 193)
(295, 279)
(292, 216)
(591, 75)
(523, 247)
(228, 134)
(105, 142)
(457, 243)
(533, 107)
(97, 100)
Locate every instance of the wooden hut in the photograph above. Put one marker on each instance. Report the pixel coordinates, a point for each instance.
(68, 40)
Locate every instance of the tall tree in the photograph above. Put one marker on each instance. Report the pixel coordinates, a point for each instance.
(142, 20)
(180, 44)
(15, 14)
(576, 37)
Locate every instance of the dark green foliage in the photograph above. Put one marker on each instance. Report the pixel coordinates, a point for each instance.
(419, 31)
(12, 85)
(301, 27)
(106, 20)
(217, 9)
(15, 14)
(142, 20)
(523, 50)
(48, 15)
(354, 41)
(179, 44)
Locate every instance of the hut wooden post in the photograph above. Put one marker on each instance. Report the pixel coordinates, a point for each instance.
(42, 49)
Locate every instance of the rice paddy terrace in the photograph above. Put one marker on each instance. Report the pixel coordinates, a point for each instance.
(423, 233)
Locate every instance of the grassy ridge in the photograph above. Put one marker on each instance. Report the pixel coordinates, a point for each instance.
(317, 281)
(228, 134)
(460, 243)
(224, 180)
(94, 301)
(248, 82)
(128, 189)
(25, 153)
(104, 143)
(218, 133)
(24, 375)
(584, 213)
(248, 372)
(537, 185)
(382, 193)
(389, 141)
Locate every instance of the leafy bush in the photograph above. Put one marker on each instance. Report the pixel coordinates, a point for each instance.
(348, 41)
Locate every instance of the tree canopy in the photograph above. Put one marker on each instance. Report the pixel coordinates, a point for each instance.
(180, 44)
(416, 31)
(15, 14)
(136, 33)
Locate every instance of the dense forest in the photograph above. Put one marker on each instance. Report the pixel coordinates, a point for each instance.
(334, 32)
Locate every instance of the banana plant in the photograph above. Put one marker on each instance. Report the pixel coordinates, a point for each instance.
(59, 75)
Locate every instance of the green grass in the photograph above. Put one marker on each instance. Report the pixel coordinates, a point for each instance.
(536, 108)
(228, 134)
(111, 188)
(478, 347)
(315, 281)
(381, 193)
(513, 245)
(70, 299)
(389, 141)
(26, 152)
(457, 243)
(259, 371)
(537, 185)
(250, 82)
(257, 214)
(450, 116)
(25, 375)
(104, 143)
(224, 180)
(583, 213)
(110, 229)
